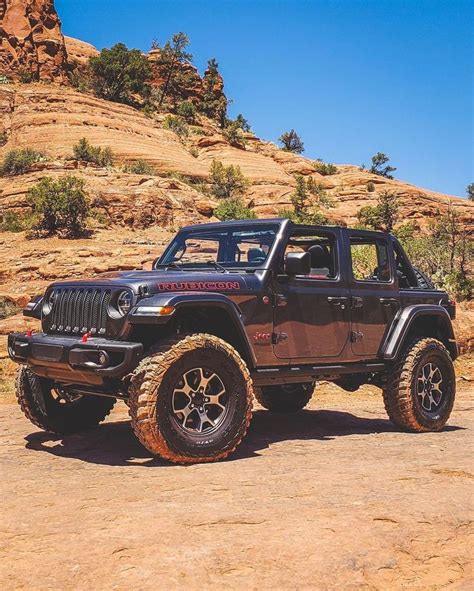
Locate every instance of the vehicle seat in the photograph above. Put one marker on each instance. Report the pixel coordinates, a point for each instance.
(320, 260)
(256, 256)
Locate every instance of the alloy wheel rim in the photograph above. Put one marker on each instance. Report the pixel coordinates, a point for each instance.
(199, 401)
(429, 387)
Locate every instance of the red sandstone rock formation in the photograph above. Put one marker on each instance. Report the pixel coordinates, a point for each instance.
(31, 42)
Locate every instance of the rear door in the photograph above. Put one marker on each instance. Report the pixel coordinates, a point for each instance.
(375, 298)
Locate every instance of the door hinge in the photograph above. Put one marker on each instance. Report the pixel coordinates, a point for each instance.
(278, 337)
(356, 337)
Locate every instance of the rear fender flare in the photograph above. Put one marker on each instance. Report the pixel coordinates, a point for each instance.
(406, 320)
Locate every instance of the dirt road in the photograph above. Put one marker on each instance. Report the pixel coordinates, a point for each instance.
(329, 498)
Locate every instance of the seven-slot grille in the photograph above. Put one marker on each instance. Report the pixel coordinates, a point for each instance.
(77, 310)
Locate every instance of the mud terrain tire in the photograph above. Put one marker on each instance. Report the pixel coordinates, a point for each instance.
(165, 387)
(288, 398)
(36, 398)
(420, 389)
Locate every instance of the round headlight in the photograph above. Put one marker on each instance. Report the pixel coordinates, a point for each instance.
(124, 302)
(48, 303)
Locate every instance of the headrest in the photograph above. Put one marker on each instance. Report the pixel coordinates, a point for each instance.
(319, 256)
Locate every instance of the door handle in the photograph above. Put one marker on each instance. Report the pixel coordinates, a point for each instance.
(337, 301)
(388, 301)
(280, 300)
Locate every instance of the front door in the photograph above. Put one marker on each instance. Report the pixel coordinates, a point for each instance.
(312, 312)
(374, 292)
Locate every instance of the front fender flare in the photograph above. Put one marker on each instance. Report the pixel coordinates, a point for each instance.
(406, 319)
(197, 300)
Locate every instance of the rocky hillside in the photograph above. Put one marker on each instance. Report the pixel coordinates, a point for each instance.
(52, 119)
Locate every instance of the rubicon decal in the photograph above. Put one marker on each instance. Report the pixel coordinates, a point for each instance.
(199, 286)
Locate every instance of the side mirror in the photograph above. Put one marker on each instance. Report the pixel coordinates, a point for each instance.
(298, 263)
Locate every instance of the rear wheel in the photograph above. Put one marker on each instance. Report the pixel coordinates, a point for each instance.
(287, 398)
(191, 400)
(48, 406)
(420, 389)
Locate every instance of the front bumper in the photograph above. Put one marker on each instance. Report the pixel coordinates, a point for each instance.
(72, 360)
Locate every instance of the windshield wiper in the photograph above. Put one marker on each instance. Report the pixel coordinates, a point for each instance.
(217, 266)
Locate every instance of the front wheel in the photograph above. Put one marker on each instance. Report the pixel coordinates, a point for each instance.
(287, 398)
(420, 389)
(48, 406)
(191, 400)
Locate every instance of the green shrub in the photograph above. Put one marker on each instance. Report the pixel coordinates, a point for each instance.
(324, 168)
(3, 138)
(176, 124)
(19, 161)
(26, 77)
(370, 187)
(86, 152)
(4, 79)
(81, 80)
(119, 73)
(60, 206)
(140, 167)
(382, 216)
(234, 135)
(227, 181)
(187, 111)
(194, 152)
(7, 308)
(243, 123)
(234, 208)
(14, 222)
(306, 210)
(470, 191)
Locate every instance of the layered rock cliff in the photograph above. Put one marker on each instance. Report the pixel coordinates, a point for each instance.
(53, 119)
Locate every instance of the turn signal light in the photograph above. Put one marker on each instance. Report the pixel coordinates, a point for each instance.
(155, 310)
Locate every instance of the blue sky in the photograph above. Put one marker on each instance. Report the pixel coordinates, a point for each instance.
(352, 77)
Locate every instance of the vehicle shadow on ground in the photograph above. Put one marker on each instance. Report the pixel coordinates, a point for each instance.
(115, 444)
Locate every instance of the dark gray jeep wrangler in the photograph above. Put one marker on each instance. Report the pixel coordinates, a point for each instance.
(229, 311)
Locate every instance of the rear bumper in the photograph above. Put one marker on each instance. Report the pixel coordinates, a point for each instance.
(70, 359)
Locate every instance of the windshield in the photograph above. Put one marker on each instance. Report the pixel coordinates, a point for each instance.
(222, 248)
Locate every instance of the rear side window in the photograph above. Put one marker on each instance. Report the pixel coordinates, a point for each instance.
(370, 261)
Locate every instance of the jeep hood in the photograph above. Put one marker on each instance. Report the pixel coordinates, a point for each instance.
(159, 281)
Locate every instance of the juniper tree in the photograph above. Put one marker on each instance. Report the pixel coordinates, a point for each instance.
(291, 142)
(378, 167)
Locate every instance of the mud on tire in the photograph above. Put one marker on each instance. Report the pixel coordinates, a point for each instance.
(288, 398)
(191, 400)
(420, 389)
(47, 410)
